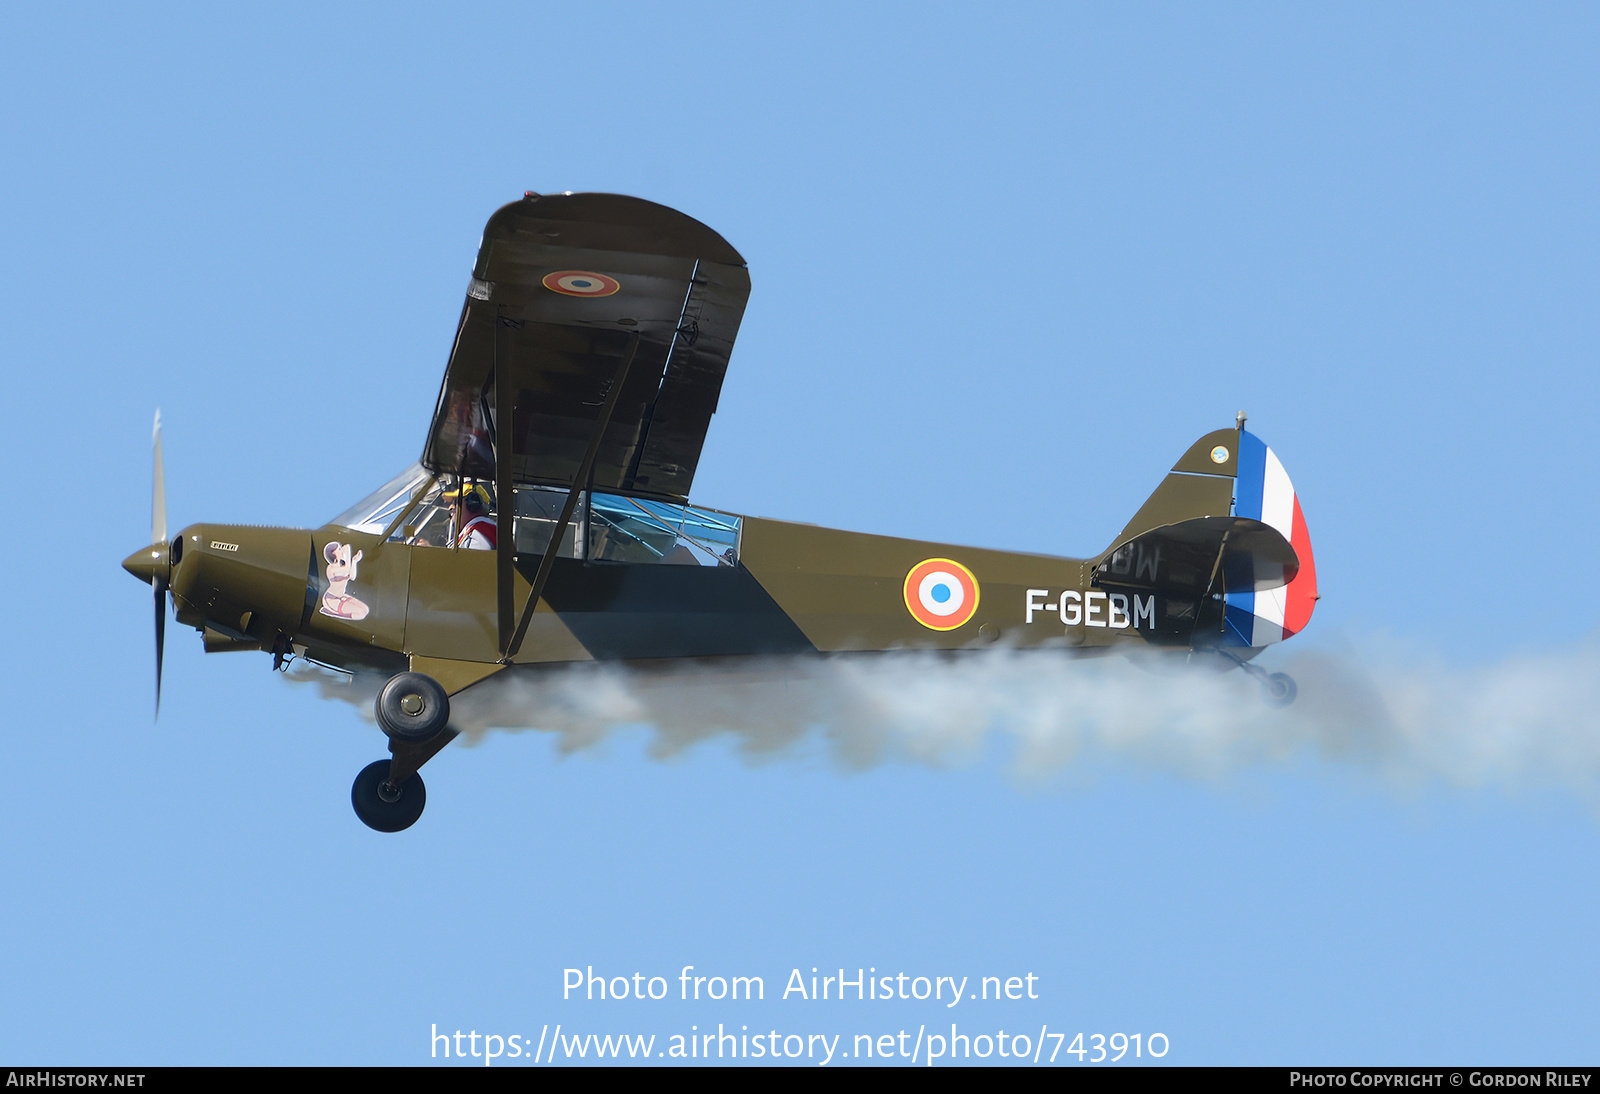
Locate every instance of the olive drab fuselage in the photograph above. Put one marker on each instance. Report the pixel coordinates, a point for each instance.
(794, 589)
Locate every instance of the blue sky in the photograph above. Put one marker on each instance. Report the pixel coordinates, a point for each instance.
(1008, 262)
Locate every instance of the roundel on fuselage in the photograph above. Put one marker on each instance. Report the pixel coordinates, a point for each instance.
(941, 594)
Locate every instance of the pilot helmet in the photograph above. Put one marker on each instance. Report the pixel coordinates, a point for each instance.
(475, 497)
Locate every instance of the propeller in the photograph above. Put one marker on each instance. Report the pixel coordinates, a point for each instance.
(154, 563)
(158, 535)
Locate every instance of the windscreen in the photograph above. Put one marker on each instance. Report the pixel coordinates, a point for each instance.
(374, 512)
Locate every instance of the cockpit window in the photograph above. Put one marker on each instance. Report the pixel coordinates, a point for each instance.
(636, 530)
(602, 528)
(374, 512)
(428, 522)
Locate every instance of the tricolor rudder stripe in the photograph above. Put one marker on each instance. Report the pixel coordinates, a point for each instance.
(1263, 492)
(941, 594)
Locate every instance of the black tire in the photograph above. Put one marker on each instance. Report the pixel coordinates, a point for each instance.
(1279, 689)
(430, 708)
(369, 799)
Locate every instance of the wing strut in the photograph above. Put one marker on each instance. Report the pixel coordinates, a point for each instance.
(505, 493)
(547, 563)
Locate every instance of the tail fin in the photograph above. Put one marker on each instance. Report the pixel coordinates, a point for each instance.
(1199, 485)
(1225, 521)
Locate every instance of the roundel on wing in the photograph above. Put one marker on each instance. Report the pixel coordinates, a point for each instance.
(580, 283)
(941, 594)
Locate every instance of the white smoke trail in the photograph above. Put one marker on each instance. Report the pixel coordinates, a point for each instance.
(1523, 723)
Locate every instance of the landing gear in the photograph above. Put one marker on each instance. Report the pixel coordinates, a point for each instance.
(1279, 690)
(412, 708)
(414, 711)
(385, 806)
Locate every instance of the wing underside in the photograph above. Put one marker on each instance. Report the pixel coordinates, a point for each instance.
(569, 292)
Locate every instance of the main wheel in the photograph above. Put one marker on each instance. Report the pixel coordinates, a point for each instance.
(412, 707)
(386, 808)
(1279, 689)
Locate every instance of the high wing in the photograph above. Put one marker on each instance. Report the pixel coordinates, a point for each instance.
(569, 293)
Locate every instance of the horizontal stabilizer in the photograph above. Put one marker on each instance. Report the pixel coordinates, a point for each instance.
(1202, 555)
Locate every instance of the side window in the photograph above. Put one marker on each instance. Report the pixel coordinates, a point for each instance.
(603, 527)
(538, 509)
(635, 530)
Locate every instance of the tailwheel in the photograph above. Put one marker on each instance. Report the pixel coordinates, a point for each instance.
(1279, 689)
(384, 806)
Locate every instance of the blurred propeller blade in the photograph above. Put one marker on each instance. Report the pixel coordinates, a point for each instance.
(158, 538)
(161, 634)
(158, 505)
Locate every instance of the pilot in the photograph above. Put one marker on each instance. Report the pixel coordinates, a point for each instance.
(469, 511)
